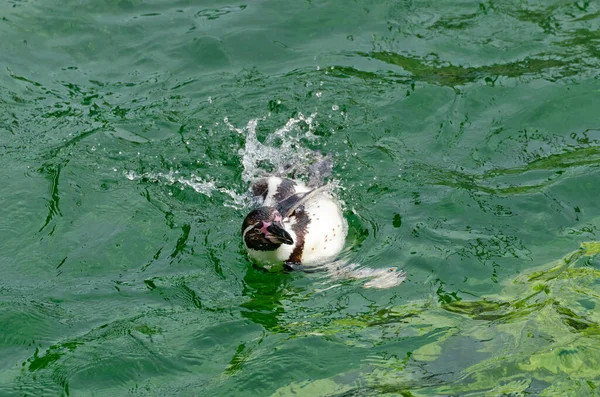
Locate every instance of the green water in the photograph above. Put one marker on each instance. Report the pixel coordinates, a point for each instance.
(466, 139)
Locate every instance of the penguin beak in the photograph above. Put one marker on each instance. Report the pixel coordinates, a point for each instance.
(277, 234)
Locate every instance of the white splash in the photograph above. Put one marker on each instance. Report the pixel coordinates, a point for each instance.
(200, 185)
(378, 278)
(282, 149)
(375, 278)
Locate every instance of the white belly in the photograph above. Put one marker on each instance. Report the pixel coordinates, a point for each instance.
(326, 232)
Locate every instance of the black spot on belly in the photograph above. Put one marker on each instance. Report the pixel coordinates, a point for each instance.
(300, 227)
(286, 188)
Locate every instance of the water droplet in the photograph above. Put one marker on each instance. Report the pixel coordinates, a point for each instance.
(130, 175)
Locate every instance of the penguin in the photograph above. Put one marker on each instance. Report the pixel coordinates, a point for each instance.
(295, 226)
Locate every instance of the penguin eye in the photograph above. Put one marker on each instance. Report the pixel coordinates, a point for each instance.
(259, 228)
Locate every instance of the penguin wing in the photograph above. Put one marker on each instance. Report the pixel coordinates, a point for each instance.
(320, 170)
(288, 206)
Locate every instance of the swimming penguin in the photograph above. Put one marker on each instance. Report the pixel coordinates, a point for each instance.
(296, 226)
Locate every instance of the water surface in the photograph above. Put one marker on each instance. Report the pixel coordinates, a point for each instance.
(466, 139)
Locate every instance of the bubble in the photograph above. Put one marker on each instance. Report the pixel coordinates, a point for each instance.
(318, 94)
(335, 107)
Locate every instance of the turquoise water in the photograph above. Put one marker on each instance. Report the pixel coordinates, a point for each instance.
(466, 140)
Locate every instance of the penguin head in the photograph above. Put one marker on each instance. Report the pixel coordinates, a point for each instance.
(263, 230)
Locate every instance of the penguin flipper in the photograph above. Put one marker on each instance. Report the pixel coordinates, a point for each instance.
(288, 206)
(291, 266)
(320, 170)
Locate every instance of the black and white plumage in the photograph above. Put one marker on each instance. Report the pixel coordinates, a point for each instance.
(294, 225)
